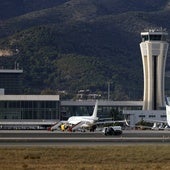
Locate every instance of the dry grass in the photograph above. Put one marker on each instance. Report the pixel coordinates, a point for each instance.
(85, 158)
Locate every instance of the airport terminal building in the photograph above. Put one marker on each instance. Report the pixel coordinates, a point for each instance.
(29, 107)
(14, 106)
(135, 116)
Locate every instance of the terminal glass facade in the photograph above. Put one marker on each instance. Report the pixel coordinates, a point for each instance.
(29, 109)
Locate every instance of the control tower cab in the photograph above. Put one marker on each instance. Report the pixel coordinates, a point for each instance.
(154, 48)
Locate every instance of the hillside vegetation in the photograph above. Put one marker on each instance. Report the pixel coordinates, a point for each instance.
(69, 45)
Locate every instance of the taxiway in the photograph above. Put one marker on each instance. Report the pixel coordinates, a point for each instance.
(46, 138)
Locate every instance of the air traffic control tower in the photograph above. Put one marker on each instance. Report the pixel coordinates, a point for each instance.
(154, 48)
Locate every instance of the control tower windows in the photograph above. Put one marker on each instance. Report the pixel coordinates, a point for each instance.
(164, 37)
(155, 37)
(150, 37)
(144, 38)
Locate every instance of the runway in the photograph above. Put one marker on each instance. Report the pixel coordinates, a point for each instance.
(46, 138)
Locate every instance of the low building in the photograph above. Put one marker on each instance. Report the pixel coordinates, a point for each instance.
(135, 116)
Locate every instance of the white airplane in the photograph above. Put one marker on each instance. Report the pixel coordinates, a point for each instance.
(75, 122)
(84, 122)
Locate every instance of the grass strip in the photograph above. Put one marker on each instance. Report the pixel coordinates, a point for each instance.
(150, 157)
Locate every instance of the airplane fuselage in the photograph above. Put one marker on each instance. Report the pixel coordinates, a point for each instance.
(88, 120)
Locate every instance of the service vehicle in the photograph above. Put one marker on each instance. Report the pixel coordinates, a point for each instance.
(112, 130)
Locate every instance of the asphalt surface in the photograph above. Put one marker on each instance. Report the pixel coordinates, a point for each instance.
(55, 138)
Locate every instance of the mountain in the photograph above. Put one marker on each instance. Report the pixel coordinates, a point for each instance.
(69, 45)
(13, 8)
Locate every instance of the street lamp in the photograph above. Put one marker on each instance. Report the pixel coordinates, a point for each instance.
(108, 88)
(16, 65)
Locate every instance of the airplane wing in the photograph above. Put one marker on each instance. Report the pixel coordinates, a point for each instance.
(111, 121)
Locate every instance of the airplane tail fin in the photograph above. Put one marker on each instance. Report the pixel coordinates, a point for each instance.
(95, 109)
(166, 101)
(126, 122)
(167, 111)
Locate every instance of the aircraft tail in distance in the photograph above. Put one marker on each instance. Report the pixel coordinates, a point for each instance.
(166, 101)
(167, 111)
(95, 109)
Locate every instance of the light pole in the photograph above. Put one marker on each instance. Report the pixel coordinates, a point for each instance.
(108, 88)
(15, 63)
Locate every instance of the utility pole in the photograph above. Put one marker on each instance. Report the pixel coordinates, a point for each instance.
(16, 65)
(108, 86)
